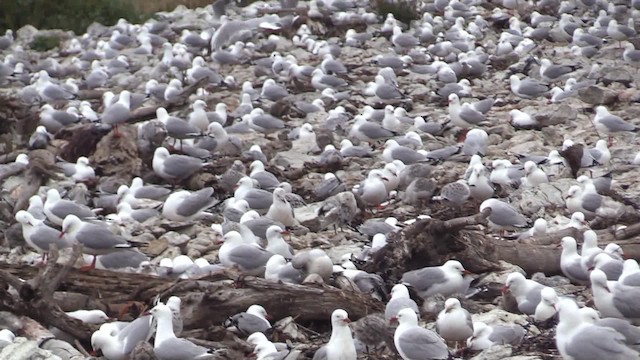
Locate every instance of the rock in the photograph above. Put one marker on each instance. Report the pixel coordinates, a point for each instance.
(554, 115)
(308, 216)
(495, 352)
(596, 95)
(25, 349)
(156, 247)
(532, 202)
(175, 239)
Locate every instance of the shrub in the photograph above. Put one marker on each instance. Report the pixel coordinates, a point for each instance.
(44, 43)
(403, 10)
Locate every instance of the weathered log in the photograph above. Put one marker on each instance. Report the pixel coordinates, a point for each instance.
(431, 242)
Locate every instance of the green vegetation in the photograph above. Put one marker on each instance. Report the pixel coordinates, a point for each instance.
(45, 43)
(74, 15)
(403, 10)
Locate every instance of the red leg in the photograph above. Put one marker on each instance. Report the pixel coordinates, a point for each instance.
(89, 267)
(116, 133)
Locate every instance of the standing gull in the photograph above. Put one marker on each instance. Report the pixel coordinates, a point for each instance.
(454, 322)
(169, 347)
(119, 112)
(414, 342)
(608, 123)
(340, 345)
(570, 262)
(503, 216)
(38, 235)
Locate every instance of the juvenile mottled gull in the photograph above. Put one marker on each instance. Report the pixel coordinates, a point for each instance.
(445, 280)
(455, 193)
(415, 342)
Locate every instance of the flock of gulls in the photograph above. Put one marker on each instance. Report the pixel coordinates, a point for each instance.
(388, 106)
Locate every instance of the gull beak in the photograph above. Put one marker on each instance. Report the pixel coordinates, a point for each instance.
(467, 272)
(285, 232)
(268, 317)
(93, 353)
(61, 235)
(393, 320)
(385, 178)
(505, 289)
(347, 320)
(146, 313)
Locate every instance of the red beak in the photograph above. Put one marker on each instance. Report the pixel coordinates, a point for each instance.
(467, 272)
(146, 313)
(393, 320)
(347, 320)
(268, 317)
(505, 289)
(285, 232)
(93, 353)
(61, 235)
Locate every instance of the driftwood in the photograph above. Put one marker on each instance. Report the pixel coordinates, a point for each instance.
(431, 242)
(207, 301)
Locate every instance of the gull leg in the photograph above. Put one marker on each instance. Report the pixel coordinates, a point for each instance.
(89, 267)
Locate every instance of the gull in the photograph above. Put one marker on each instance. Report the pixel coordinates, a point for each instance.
(539, 228)
(630, 55)
(368, 131)
(184, 205)
(630, 273)
(446, 279)
(95, 239)
(119, 112)
(174, 167)
(54, 120)
(485, 336)
(272, 91)
(340, 345)
(169, 347)
(455, 193)
(249, 259)
(49, 91)
(475, 142)
(399, 300)
(546, 308)
(619, 32)
(265, 123)
(403, 41)
(331, 66)
(429, 127)
(265, 179)
(20, 164)
(527, 88)
(579, 339)
(608, 123)
(624, 327)
(570, 262)
(330, 185)
(454, 322)
(198, 118)
(280, 209)
(616, 300)
(534, 176)
(551, 72)
(415, 342)
(278, 269)
(57, 209)
(506, 174)
(321, 81)
(257, 198)
(127, 213)
(355, 39)
(503, 216)
(480, 186)
(365, 282)
(347, 149)
(38, 235)
(40, 138)
(195, 73)
(386, 92)
(394, 151)
(600, 153)
(117, 340)
(173, 91)
(36, 208)
(525, 291)
(254, 320)
(276, 243)
(464, 116)
(373, 190)
(81, 171)
(612, 267)
(177, 128)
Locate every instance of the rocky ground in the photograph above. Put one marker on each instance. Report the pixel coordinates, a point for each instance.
(117, 160)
